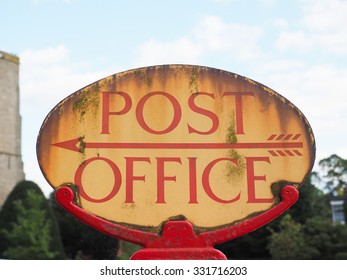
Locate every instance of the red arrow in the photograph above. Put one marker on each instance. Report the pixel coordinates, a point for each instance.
(70, 145)
(73, 145)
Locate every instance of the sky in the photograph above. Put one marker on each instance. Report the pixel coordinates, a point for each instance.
(297, 48)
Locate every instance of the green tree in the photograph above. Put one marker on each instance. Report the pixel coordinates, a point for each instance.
(29, 236)
(289, 242)
(127, 249)
(28, 228)
(329, 240)
(81, 241)
(312, 202)
(333, 174)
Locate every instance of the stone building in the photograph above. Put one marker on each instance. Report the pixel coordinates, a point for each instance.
(11, 165)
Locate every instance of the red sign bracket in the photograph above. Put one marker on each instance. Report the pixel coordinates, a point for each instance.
(178, 239)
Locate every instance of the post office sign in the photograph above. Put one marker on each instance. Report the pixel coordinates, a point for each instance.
(176, 142)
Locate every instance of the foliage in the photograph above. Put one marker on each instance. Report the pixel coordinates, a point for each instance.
(312, 202)
(254, 245)
(289, 242)
(328, 239)
(334, 174)
(28, 228)
(35, 242)
(127, 249)
(313, 235)
(81, 241)
(318, 239)
(341, 256)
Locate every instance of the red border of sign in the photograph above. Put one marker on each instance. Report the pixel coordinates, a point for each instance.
(178, 239)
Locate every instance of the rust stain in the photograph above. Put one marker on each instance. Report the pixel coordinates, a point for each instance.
(144, 75)
(79, 116)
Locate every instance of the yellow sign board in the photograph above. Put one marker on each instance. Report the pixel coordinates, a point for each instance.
(176, 142)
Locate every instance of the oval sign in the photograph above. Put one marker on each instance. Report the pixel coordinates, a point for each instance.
(176, 142)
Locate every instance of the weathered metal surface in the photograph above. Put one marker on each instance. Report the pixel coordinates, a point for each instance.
(176, 142)
(178, 239)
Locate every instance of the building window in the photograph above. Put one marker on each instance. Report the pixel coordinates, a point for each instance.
(338, 214)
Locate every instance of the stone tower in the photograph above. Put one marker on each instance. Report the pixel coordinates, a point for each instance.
(11, 165)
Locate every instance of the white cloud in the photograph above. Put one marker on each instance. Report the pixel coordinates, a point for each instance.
(218, 36)
(267, 3)
(38, 2)
(317, 85)
(321, 28)
(342, 152)
(283, 65)
(47, 76)
(211, 35)
(224, 2)
(281, 23)
(182, 50)
(318, 90)
(324, 15)
(46, 56)
(297, 40)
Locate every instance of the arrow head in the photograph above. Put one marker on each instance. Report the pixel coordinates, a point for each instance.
(71, 144)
